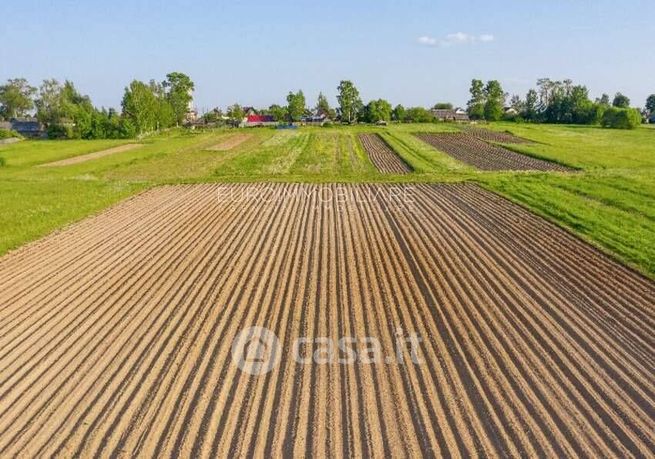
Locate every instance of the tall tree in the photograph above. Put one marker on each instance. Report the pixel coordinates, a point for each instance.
(378, 110)
(277, 112)
(49, 104)
(140, 107)
(323, 106)
(621, 101)
(475, 106)
(398, 113)
(179, 90)
(296, 105)
(603, 100)
(235, 113)
(650, 104)
(530, 111)
(494, 101)
(16, 98)
(349, 101)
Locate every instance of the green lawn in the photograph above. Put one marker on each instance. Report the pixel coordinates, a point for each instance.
(608, 202)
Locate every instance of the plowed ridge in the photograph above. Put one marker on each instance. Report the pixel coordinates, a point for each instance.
(383, 157)
(231, 142)
(91, 156)
(471, 150)
(493, 136)
(116, 334)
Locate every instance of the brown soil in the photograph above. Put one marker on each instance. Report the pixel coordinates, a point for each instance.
(471, 150)
(383, 157)
(493, 136)
(94, 155)
(115, 334)
(231, 142)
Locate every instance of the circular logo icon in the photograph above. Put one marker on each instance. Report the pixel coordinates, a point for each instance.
(256, 350)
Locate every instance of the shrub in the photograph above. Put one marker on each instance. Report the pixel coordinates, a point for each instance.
(60, 131)
(3, 162)
(7, 134)
(621, 118)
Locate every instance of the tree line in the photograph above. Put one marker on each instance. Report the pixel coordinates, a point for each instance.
(156, 105)
(66, 113)
(350, 109)
(560, 102)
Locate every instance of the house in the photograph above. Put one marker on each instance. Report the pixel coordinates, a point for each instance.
(457, 115)
(258, 120)
(27, 128)
(314, 119)
(249, 111)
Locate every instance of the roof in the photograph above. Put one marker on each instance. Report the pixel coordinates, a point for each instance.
(26, 126)
(450, 114)
(260, 119)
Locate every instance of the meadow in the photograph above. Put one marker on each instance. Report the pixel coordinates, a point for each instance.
(608, 201)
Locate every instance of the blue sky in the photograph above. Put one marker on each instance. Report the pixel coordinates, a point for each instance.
(414, 52)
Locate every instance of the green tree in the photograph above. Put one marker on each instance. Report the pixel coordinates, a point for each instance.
(350, 103)
(475, 106)
(603, 100)
(179, 92)
(378, 110)
(295, 106)
(418, 115)
(530, 111)
(443, 106)
(398, 113)
(494, 101)
(278, 112)
(49, 104)
(141, 106)
(621, 101)
(650, 104)
(16, 98)
(621, 118)
(235, 113)
(323, 107)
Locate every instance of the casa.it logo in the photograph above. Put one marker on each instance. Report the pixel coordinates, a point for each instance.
(256, 350)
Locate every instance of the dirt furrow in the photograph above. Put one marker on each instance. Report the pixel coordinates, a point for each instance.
(117, 332)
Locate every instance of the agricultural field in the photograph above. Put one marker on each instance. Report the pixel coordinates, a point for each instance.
(117, 332)
(382, 155)
(607, 199)
(484, 155)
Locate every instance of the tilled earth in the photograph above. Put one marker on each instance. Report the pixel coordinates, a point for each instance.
(116, 334)
(470, 149)
(383, 157)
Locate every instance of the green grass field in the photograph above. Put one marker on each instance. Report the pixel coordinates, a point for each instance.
(609, 202)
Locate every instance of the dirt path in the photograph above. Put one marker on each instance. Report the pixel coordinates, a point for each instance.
(116, 334)
(230, 142)
(91, 156)
(383, 157)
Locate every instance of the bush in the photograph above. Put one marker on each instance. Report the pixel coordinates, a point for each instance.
(7, 134)
(60, 131)
(3, 162)
(621, 118)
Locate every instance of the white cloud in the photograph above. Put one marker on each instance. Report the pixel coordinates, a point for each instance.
(429, 41)
(458, 38)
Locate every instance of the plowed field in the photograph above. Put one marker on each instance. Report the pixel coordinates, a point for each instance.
(94, 155)
(116, 334)
(493, 136)
(231, 142)
(382, 155)
(471, 150)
